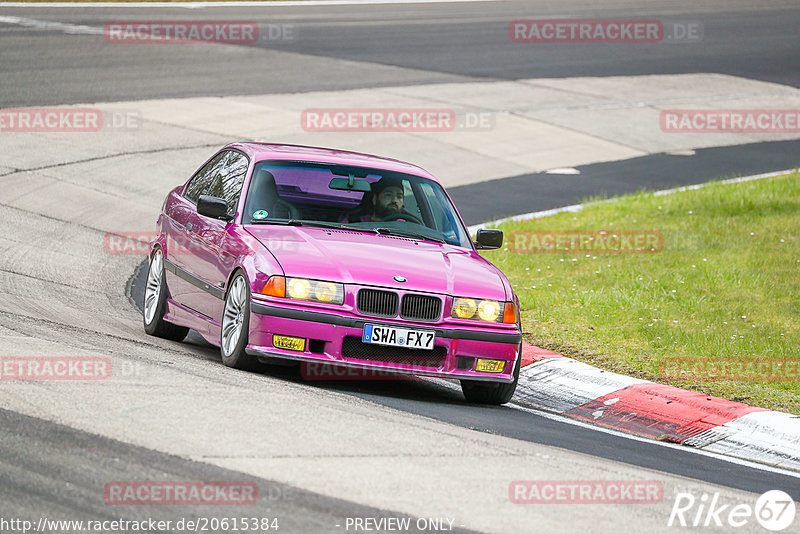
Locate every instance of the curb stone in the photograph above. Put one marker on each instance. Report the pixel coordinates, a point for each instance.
(565, 386)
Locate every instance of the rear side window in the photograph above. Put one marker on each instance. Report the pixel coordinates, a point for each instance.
(222, 177)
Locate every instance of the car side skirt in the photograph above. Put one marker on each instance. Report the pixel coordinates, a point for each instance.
(181, 315)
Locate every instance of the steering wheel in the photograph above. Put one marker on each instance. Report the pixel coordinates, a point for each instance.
(405, 216)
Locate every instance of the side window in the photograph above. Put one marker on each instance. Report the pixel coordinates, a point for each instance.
(409, 200)
(201, 183)
(228, 183)
(442, 217)
(222, 177)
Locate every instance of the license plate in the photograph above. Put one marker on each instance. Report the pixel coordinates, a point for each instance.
(398, 337)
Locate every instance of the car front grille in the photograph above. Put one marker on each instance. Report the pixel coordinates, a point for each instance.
(420, 307)
(354, 348)
(377, 303)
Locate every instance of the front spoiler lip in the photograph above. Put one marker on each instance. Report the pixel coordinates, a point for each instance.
(391, 370)
(352, 322)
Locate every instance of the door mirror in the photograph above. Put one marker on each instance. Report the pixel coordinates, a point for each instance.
(489, 239)
(213, 207)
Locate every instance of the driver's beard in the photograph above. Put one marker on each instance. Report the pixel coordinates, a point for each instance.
(384, 211)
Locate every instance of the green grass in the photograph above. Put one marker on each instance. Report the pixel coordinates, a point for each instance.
(725, 287)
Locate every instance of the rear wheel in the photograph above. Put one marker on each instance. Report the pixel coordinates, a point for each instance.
(236, 326)
(492, 392)
(155, 302)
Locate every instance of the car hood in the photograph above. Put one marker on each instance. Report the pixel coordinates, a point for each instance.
(374, 260)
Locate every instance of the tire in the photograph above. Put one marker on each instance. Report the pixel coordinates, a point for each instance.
(155, 302)
(492, 392)
(235, 326)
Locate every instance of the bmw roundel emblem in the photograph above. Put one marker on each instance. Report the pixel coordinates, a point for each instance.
(400, 279)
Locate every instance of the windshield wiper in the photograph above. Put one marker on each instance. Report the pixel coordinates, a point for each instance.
(287, 222)
(337, 226)
(314, 224)
(407, 233)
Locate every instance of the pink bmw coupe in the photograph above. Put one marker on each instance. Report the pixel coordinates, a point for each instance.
(311, 254)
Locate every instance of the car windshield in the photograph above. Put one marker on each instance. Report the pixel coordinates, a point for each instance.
(352, 198)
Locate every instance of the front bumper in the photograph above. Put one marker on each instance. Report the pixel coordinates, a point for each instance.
(336, 338)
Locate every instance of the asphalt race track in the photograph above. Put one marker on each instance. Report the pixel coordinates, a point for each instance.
(402, 44)
(434, 399)
(324, 453)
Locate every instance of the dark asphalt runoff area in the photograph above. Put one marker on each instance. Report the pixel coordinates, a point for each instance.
(494, 199)
(349, 47)
(402, 44)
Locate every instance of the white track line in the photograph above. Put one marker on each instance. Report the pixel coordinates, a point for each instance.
(617, 433)
(578, 207)
(72, 29)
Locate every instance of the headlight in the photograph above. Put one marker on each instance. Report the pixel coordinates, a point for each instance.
(304, 289)
(298, 288)
(490, 311)
(326, 291)
(464, 308)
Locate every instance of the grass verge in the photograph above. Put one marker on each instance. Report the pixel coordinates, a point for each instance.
(715, 309)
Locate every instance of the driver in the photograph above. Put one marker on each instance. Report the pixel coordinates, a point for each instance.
(387, 198)
(386, 201)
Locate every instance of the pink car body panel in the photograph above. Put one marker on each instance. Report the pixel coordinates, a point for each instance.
(201, 262)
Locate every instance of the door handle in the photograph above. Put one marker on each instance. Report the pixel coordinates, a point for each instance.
(189, 227)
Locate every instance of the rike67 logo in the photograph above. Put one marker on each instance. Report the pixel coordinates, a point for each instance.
(773, 510)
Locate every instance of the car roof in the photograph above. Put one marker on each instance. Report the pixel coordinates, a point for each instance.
(273, 151)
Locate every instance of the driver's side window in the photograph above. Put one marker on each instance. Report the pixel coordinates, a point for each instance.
(222, 177)
(231, 178)
(202, 183)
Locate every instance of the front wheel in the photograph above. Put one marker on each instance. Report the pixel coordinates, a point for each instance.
(492, 392)
(236, 326)
(155, 302)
